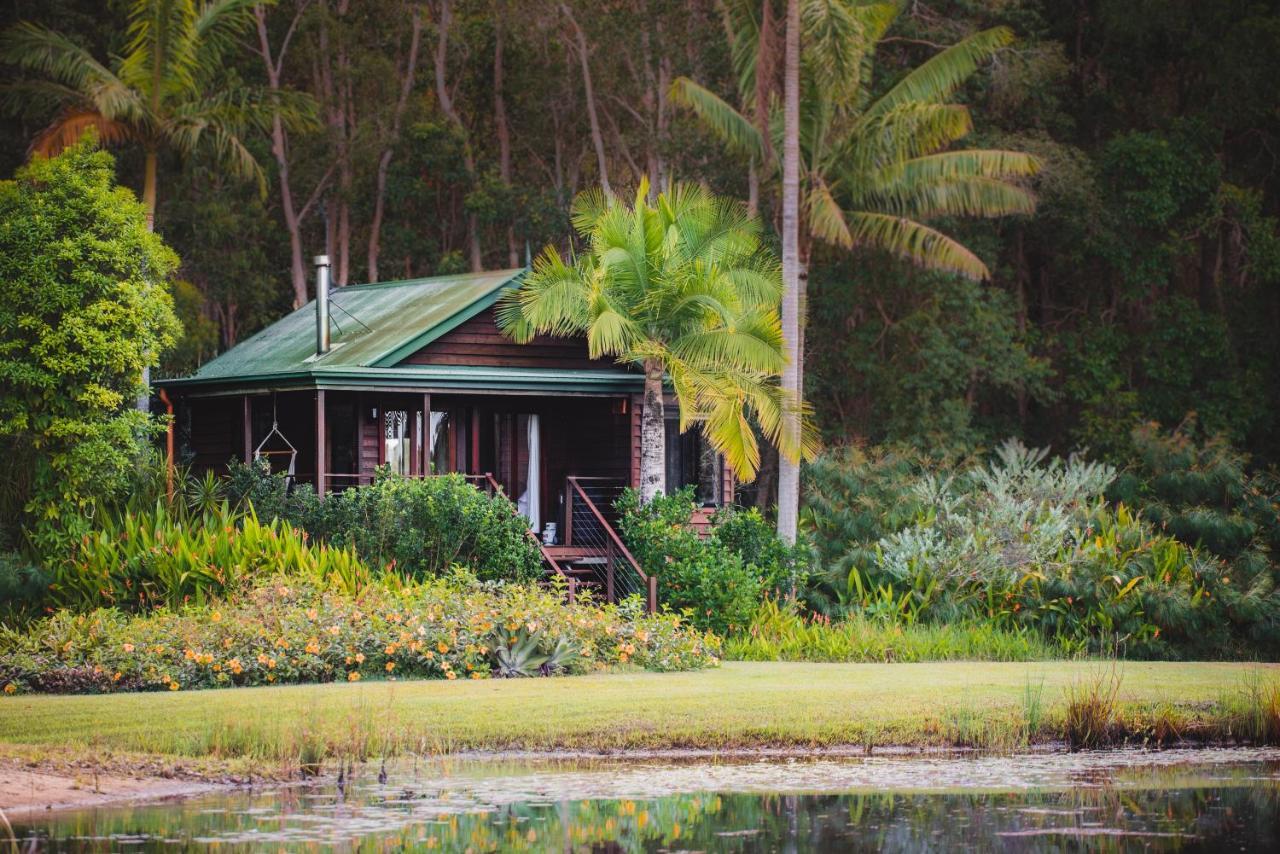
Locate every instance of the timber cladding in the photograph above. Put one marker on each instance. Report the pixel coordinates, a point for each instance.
(478, 341)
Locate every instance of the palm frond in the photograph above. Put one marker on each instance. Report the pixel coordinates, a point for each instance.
(919, 243)
(160, 59)
(218, 25)
(733, 128)
(978, 197)
(942, 74)
(970, 163)
(41, 51)
(826, 219)
(70, 125)
(908, 131)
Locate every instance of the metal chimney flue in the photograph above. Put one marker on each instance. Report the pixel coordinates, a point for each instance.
(322, 304)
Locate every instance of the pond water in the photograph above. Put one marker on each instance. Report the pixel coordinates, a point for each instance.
(1203, 800)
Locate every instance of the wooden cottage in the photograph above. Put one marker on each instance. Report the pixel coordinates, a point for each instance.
(415, 375)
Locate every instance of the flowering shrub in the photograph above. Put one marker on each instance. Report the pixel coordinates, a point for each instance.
(291, 630)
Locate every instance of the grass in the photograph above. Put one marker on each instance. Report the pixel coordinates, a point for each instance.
(779, 634)
(740, 705)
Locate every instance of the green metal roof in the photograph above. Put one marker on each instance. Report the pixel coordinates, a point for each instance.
(372, 326)
(373, 329)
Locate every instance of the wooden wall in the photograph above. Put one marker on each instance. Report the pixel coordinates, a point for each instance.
(479, 342)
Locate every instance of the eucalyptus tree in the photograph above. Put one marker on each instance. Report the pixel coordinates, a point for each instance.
(683, 289)
(874, 169)
(167, 91)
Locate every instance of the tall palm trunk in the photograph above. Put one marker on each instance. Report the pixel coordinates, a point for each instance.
(653, 435)
(789, 471)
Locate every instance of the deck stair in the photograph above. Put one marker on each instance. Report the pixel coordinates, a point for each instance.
(592, 556)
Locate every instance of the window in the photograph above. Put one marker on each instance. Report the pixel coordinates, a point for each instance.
(396, 438)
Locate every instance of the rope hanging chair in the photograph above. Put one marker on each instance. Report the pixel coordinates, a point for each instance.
(259, 453)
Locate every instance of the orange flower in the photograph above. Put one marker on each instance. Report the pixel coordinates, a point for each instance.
(173, 686)
(128, 647)
(391, 665)
(359, 658)
(443, 647)
(216, 616)
(353, 676)
(449, 674)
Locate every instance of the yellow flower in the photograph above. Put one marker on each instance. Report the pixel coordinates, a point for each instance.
(262, 658)
(353, 676)
(359, 658)
(116, 676)
(271, 662)
(391, 665)
(313, 646)
(477, 675)
(10, 688)
(333, 630)
(443, 647)
(449, 674)
(173, 686)
(216, 616)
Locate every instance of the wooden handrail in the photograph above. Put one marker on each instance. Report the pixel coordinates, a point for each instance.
(615, 542)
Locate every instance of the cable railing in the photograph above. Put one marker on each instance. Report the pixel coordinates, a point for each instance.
(597, 552)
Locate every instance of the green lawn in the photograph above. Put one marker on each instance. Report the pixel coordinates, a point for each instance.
(737, 705)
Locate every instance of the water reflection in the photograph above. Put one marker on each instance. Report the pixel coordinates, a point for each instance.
(1108, 802)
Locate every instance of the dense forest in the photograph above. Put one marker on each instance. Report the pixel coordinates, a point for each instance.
(413, 138)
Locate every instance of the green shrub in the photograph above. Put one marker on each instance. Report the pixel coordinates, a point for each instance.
(782, 569)
(291, 630)
(417, 526)
(84, 308)
(703, 578)
(1030, 542)
(23, 588)
(1202, 493)
(166, 556)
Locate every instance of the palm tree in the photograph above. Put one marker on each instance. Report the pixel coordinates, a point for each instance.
(872, 170)
(683, 289)
(167, 92)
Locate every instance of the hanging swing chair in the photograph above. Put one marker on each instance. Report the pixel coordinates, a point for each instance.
(289, 449)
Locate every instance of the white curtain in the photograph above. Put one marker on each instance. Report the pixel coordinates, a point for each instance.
(530, 503)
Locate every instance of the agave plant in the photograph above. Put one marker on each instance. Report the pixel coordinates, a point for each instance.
(519, 653)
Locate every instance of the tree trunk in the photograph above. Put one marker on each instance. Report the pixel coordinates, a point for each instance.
(150, 159)
(597, 138)
(447, 107)
(753, 188)
(788, 470)
(384, 161)
(503, 130)
(279, 150)
(653, 435)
